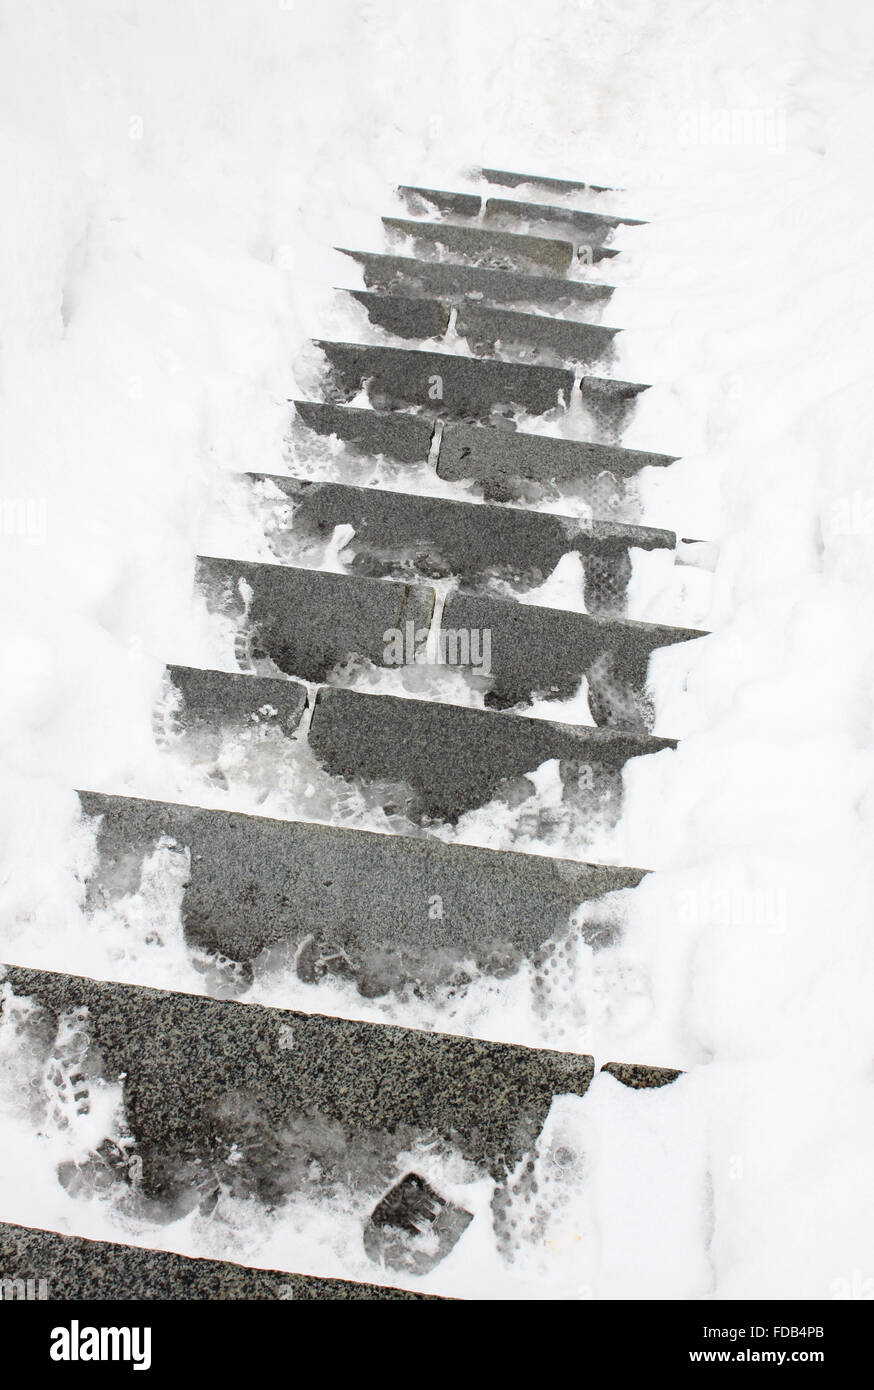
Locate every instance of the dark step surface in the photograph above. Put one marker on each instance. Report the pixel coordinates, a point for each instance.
(443, 383)
(78, 1270)
(425, 201)
(455, 282)
(507, 212)
(486, 329)
(403, 316)
(499, 250)
(506, 179)
(367, 901)
(404, 438)
(208, 704)
(503, 459)
(409, 536)
(452, 759)
(639, 1077)
(544, 652)
(275, 1103)
(308, 622)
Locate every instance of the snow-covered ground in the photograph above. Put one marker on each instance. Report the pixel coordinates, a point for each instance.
(175, 175)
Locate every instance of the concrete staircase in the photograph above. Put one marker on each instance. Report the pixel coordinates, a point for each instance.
(227, 1098)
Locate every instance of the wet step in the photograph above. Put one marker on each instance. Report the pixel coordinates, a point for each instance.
(453, 282)
(506, 179)
(505, 461)
(269, 1105)
(44, 1264)
(406, 535)
(486, 247)
(381, 911)
(403, 438)
(443, 383)
(308, 623)
(543, 653)
(486, 329)
(449, 759)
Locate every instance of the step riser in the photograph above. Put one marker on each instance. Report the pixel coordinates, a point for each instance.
(443, 384)
(309, 624)
(403, 438)
(399, 909)
(407, 536)
(273, 1104)
(439, 760)
(597, 227)
(455, 283)
(76, 1270)
(493, 249)
(506, 179)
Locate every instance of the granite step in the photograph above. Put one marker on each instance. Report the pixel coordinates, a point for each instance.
(426, 201)
(508, 214)
(454, 283)
(539, 653)
(486, 329)
(206, 707)
(408, 536)
(274, 1105)
(506, 179)
(67, 1268)
(308, 623)
(402, 437)
(504, 461)
(442, 383)
(381, 911)
(450, 759)
(481, 246)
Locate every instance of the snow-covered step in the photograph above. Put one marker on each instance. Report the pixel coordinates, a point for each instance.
(426, 201)
(538, 653)
(402, 437)
(443, 383)
(272, 1104)
(407, 535)
(482, 246)
(503, 461)
(507, 179)
(308, 622)
(455, 282)
(311, 624)
(380, 910)
(486, 329)
(449, 759)
(207, 706)
(508, 213)
(38, 1263)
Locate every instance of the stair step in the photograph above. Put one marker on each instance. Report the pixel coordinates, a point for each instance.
(74, 1269)
(486, 328)
(424, 200)
(210, 703)
(454, 282)
(277, 1104)
(403, 316)
(510, 180)
(404, 438)
(444, 383)
(308, 622)
(502, 460)
(380, 910)
(451, 759)
(544, 652)
(507, 212)
(500, 250)
(406, 535)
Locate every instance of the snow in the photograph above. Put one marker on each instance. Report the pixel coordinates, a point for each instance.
(175, 177)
